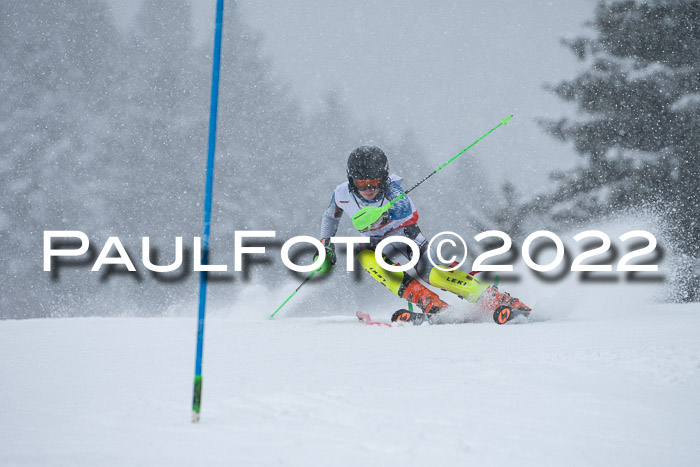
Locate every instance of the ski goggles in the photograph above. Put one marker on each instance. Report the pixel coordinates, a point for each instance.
(370, 184)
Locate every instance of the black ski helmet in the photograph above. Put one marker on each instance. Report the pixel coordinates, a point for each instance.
(368, 162)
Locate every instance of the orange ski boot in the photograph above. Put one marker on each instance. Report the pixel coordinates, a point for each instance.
(504, 306)
(426, 299)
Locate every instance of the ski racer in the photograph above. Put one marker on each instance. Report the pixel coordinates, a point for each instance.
(369, 183)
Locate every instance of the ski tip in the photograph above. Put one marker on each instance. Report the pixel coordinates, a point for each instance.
(366, 319)
(504, 121)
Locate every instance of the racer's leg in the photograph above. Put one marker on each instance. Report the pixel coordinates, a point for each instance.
(401, 284)
(465, 285)
(458, 282)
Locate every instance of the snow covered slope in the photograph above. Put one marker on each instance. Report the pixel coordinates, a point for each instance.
(590, 388)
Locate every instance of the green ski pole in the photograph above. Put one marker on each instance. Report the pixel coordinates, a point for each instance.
(368, 215)
(293, 293)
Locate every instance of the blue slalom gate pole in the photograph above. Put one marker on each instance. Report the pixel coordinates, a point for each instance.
(197, 398)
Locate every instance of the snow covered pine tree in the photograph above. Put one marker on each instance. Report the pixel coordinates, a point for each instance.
(640, 135)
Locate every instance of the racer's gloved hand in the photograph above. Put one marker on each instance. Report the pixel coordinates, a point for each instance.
(327, 265)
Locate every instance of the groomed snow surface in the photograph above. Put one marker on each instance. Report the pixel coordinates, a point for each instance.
(609, 379)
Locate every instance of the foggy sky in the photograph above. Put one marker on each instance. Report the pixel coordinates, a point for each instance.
(448, 70)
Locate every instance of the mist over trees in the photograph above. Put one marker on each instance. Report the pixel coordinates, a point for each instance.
(104, 130)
